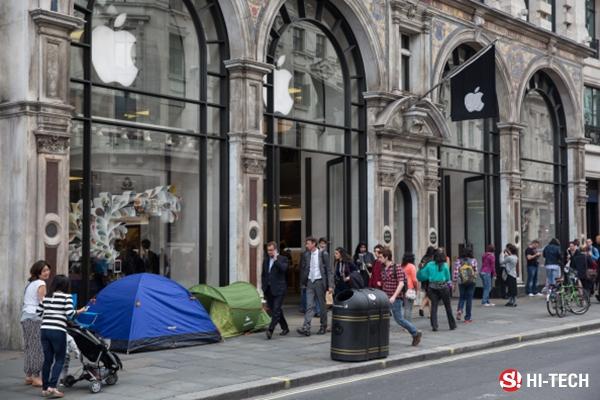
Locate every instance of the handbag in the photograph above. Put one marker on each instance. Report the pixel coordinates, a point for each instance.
(411, 294)
(328, 299)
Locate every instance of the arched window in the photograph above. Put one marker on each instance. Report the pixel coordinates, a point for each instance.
(544, 213)
(148, 147)
(315, 124)
(470, 186)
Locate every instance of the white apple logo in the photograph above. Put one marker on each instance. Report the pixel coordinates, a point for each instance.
(111, 53)
(473, 101)
(283, 102)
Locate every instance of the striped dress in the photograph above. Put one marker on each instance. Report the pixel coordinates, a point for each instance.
(55, 310)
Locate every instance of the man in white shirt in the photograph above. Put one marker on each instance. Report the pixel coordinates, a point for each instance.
(317, 277)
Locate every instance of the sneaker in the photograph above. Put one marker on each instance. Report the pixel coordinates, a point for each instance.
(487, 304)
(54, 393)
(45, 393)
(531, 295)
(491, 304)
(303, 331)
(422, 314)
(417, 338)
(468, 321)
(458, 315)
(539, 294)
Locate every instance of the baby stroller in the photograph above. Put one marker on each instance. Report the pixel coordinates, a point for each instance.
(100, 365)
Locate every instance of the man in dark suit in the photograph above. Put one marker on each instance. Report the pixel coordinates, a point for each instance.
(317, 277)
(274, 286)
(150, 258)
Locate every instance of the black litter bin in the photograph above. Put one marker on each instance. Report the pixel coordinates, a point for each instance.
(361, 325)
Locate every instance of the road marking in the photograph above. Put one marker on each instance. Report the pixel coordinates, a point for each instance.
(423, 364)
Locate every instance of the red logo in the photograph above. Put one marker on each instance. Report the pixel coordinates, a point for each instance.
(510, 380)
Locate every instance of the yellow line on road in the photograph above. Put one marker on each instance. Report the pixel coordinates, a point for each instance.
(422, 364)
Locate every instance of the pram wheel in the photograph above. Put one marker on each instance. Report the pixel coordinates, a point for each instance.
(69, 381)
(112, 379)
(95, 386)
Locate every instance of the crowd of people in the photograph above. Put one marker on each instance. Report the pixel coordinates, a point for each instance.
(427, 283)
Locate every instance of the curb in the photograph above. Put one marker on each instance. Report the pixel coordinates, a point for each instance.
(269, 386)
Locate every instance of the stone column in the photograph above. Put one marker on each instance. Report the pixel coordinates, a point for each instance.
(432, 192)
(510, 186)
(577, 187)
(34, 151)
(246, 169)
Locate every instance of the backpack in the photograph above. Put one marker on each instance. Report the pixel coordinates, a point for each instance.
(591, 272)
(466, 273)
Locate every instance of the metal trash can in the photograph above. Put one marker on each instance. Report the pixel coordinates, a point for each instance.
(360, 325)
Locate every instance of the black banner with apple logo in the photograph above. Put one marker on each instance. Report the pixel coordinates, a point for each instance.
(473, 89)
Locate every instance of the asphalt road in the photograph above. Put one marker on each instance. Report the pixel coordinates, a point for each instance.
(475, 377)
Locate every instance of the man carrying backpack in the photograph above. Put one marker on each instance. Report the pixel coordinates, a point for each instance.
(465, 272)
(394, 285)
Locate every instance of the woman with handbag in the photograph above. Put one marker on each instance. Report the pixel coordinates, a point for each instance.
(408, 266)
(31, 322)
(437, 273)
(343, 270)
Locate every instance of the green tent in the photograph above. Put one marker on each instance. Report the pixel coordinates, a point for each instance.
(234, 309)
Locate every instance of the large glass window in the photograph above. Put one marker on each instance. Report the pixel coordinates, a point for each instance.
(543, 164)
(147, 158)
(314, 126)
(591, 113)
(469, 177)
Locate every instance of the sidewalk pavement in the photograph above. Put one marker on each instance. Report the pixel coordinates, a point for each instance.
(250, 365)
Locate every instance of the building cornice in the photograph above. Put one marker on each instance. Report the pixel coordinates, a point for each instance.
(511, 23)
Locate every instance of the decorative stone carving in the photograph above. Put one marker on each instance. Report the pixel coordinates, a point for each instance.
(432, 184)
(255, 166)
(51, 144)
(387, 178)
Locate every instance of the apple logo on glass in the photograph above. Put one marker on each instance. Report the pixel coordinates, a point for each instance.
(283, 102)
(473, 101)
(112, 53)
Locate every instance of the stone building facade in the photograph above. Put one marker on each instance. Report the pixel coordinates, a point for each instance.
(205, 128)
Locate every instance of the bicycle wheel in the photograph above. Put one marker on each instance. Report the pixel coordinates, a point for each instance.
(560, 308)
(551, 302)
(580, 302)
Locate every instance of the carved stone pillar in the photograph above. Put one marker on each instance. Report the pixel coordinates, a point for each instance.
(246, 169)
(35, 121)
(577, 187)
(510, 186)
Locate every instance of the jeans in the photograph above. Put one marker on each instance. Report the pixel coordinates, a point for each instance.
(399, 317)
(435, 295)
(408, 306)
(466, 295)
(54, 344)
(315, 295)
(486, 278)
(511, 282)
(552, 272)
(532, 278)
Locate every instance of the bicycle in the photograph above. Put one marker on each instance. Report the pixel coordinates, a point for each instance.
(568, 296)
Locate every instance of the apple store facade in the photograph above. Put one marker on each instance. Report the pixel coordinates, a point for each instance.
(177, 137)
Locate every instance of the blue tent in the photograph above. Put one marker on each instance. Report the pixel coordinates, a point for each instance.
(150, 312)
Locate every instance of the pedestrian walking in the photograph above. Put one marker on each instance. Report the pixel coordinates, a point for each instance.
(31, 322)
(364, 260)
(487, 273)
(509, 261)
(343, 267)
(464, 274)
(55, 310)
(375, 279)
(317, 277)
(429, 254)
(410, 271)
(552, 261)
(274, 285)
(532, 254)
(393, 284)
(437, 273)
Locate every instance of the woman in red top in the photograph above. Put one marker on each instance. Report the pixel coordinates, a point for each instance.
(375, 279)
(408, 266)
